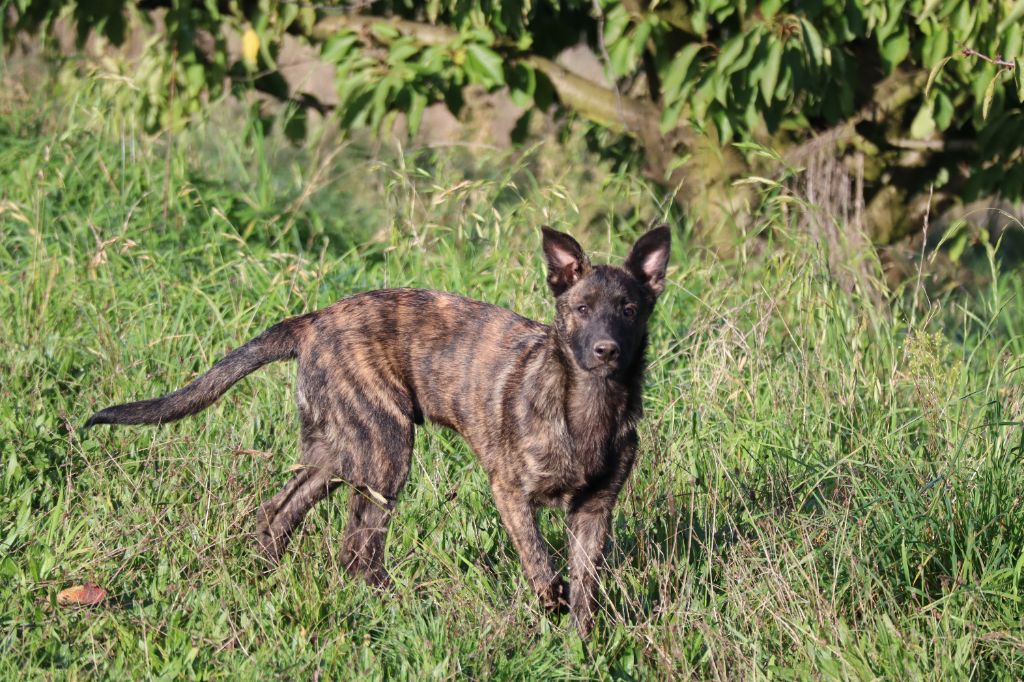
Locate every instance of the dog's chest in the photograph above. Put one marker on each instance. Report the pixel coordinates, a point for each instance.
(560, 462)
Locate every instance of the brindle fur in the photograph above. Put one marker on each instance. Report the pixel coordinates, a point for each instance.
(551, 411)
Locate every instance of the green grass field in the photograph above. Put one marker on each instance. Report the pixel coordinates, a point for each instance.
(827, 488)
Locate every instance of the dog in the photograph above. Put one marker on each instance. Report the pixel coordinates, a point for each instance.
(551, 411)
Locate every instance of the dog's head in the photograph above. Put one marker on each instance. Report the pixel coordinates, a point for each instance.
(603, 310)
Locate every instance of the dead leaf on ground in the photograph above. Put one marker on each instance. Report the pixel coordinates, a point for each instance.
(82, 595)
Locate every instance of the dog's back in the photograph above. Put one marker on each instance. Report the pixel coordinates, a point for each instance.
(415, 355)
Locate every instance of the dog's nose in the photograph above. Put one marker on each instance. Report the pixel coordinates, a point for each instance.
(606, 351)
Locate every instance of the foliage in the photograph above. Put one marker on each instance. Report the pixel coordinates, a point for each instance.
(778, 72)
(824, 490)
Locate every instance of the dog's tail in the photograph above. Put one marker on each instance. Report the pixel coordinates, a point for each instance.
(277, 343)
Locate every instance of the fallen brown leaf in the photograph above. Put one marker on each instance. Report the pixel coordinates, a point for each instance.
(82, 595)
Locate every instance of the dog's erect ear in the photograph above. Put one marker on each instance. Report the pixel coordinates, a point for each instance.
(648, 258)
(566, 261)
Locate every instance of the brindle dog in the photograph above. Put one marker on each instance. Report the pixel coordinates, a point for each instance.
(551, 411)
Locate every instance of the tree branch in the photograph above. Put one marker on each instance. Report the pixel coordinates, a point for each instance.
(998, 60)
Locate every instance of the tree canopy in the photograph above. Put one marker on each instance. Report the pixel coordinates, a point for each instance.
(908, 99)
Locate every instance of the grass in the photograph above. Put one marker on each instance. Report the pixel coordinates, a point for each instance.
(827, 489)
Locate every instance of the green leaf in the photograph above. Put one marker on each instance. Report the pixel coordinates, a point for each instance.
(1018, 77)
(336, 47)
(670, 115)
(417, 103)
(769, 8)
(923, 125)
(522, 84)
(478, 34)
(730, 51)
(618, 57)
(211, 7)
(288, 13)
(721, 84)
(771, 70)
(787, 75)
(1014, 37)
(936, 47)
(1012, 17)
(616, 21)
(990, 92)
(384, 31)
(751, 46)
(934, 73)
(962, 25)
(484, 65)
(638, 42)
(896, 48)
(195, 77)
(699, 22)
(678, 70)
(723, 125)
(724, 9)
(401, 51)
(752, 114)
(307, 17)
(957, 248)
(702, 100)
(812, 39)
(381, 100)
(943, 113)
(433, 59)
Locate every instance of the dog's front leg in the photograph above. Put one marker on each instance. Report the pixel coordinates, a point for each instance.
(589, 522)
(519, 515)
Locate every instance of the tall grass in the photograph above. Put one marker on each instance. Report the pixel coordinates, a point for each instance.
(826, 488)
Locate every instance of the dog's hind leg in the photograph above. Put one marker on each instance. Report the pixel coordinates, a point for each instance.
(278, 517)
(379, 474)
(365, 534)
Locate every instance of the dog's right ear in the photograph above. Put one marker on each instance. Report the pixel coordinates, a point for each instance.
(566, 261)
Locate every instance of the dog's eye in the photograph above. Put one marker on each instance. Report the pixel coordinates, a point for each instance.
(629, 312)
(582, 309)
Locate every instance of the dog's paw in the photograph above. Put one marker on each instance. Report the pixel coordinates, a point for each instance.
(269, 551)
(370, 570)
(379, 579)
(270, 546)
(555, 596)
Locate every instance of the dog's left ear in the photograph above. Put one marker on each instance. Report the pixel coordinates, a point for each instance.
(648, 258)
(566, 261)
